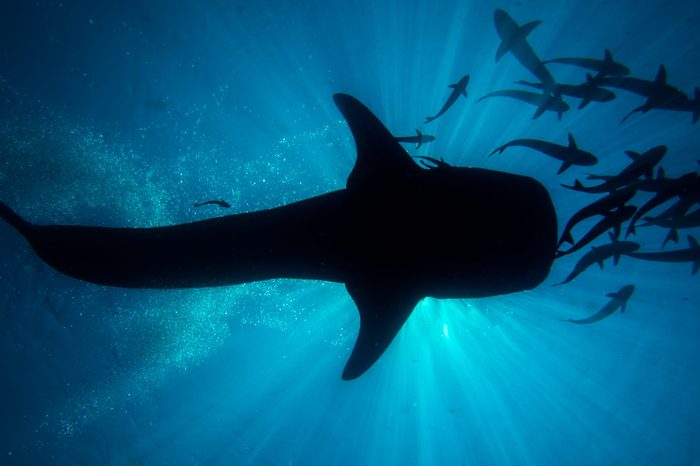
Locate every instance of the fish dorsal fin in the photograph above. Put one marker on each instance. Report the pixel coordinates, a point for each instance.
(633, 155)
(660, 173)
(608, 56)
(590, 79)
(612, 237)
(379, 156)
(693, 242)
(661, 75)
(383, 311)
(572, 142)
(418, 133)
(526, 29)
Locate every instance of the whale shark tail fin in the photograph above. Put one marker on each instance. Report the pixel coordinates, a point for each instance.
(14, 220)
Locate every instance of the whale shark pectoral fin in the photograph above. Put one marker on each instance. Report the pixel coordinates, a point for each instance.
(379, 155)
(383, 311)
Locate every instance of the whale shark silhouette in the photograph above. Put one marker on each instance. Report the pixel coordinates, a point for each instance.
(396, 234)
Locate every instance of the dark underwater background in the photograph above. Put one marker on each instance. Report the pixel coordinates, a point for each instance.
(124, 113)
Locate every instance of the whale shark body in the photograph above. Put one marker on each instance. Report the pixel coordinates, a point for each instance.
(396, 234)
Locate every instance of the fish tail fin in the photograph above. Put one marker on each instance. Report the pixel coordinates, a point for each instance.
(638, 109)
(499, 150)
(671, 236)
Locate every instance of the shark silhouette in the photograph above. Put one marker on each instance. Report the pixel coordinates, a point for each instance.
(569, 155)
(458, 88)
(543, 102)
(514, 40)
(492, 233)
(598, 255)
(618, 299)
(605, 67)
(588, 92)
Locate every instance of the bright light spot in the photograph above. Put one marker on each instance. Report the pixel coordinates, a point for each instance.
(445, 331)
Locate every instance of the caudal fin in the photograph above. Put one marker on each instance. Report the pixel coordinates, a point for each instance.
(13, 219)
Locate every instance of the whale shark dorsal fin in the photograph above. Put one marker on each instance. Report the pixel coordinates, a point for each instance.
(379, 156)
(526, 29)
(608, 56)
(661, 75)
(572, 142)
(612, 237)
(383, 311)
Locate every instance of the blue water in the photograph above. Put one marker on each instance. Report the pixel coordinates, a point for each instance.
(125, 113)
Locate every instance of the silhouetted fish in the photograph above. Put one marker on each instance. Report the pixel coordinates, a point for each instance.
(569, 155)
(642, 165)
(543, 102)
(605, 67)
(458, 88)
(588, 92)
(691, 254)
(611, 220)
(619, 300)
(419, 139)
(598, 255)
(514, 40)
